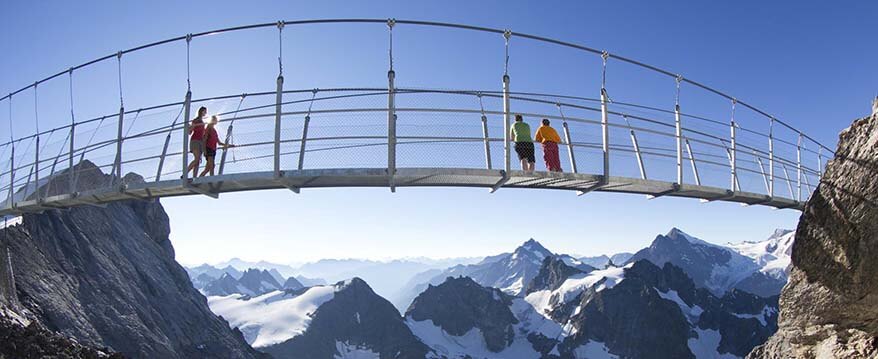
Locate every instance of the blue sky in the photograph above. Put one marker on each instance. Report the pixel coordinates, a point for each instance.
(806, 62)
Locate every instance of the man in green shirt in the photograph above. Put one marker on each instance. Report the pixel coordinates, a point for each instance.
(524, 145)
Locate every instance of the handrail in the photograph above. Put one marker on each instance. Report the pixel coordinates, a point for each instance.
(607, 54)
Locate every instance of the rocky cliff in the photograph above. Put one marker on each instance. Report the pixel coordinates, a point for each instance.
(830, 306)
(107, 277)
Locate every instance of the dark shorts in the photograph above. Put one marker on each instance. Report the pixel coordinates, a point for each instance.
(525, 150)
(196, 146)
(210, 152)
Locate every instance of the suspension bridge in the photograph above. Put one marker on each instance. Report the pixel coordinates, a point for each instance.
(403, 136)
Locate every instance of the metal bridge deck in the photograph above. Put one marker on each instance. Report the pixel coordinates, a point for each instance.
(405, 177)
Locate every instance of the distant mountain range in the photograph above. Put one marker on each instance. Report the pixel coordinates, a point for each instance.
(386, 277)
(686, 298)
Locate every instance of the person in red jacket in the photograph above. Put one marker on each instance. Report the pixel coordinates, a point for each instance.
(196, 140)
(211, 140)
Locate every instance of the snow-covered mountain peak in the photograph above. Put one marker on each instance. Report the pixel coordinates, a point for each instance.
(533, 247)
(773, 254)
(676, 233)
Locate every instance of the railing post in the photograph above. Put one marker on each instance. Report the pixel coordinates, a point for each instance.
(506, 126)
(117, 165)
(568, 140)
(70, 165)
(391, 123)
(187, 103)
(679, 132)
(734, 150)
(278, 101)
(799, 168)
(771, 157)
(487, 141)
(36, 169)
(605, 131)
(507, 118)
(277, 116)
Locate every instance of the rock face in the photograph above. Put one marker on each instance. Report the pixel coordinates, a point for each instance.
(714, 267)
(354, 320)
(460, 304)
(830, 306)
(552, 274)
(658, 312)
(31, 340)
(107, 277)
(293, 284)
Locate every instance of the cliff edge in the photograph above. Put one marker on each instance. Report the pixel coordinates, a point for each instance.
(829, 308)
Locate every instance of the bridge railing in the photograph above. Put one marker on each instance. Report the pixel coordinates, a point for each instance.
(389, 127)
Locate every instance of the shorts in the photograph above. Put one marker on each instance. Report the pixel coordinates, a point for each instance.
(210, 152)
(196, 145)
(525, 150)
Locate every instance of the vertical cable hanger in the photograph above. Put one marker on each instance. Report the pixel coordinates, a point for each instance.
(70, 83)
(11, 137)
(390, 24)
(188, 78)
(119, 67)
(604, 57)
(280, 46)
(507, 34)
(36, 111)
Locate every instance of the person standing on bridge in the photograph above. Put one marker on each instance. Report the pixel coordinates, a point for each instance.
(524, 145)
(549, 139)
(211, 140)
(196, 140)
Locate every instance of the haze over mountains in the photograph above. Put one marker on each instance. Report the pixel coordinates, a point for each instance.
(687, 297)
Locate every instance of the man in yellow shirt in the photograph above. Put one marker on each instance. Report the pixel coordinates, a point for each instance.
(548, 137)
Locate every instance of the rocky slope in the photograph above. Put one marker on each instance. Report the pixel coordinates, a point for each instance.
(830, 306)
(714, 267)
(460, 304)
(107, 277)
(355, 321)
(656, 312)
